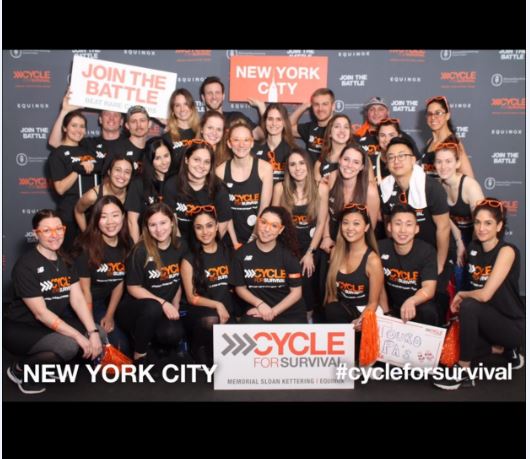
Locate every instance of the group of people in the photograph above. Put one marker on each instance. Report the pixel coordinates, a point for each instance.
(222, 220)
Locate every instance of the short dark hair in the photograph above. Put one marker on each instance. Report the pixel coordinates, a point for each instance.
(401, 141)
(402, 209)
(210, 80)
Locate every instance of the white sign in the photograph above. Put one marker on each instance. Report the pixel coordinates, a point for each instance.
(411, 342)
(282, 356)
(111, 86)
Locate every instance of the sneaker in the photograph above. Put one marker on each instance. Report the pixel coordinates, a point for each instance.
(16, 375)
(455, 382)
(514, 358)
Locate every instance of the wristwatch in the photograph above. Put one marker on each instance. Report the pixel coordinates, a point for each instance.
(89, 332)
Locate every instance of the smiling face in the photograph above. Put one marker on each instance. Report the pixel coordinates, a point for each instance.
(74, 131)
(446, 164)
(353, 227)
(181, 109)
(323, 107)
(205, 227)
(297, 167)
(161, 161)
(403, 227)
(437, 117)
(386, 134)
(376, 113)
(213, 96)
(110, 121)
(199, 164)
(111, 220)
(400, 160)
(486, 227)
(241, 141)
(269, 227)
(340, 131)
(138, 125)
(120, 174)
(351, 163)
(274, 122)
(212, 130)
(50, 233)
(160, 227)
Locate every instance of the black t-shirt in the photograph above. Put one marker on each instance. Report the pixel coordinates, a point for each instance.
(313, 136)
(480, 264)
(163, 283)
(268, 275)
(436, 198)
(61, 162)
(326, 168)
(136, 201)
(276, 158)
(124, 146)
(104, 149)
(217, 266)
(105, 277)
(405, 273)
(184, 206)
(35, 276)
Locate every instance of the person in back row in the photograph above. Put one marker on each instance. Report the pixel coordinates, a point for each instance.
(409, 266)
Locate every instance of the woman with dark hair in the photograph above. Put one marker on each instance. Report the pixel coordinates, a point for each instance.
(279, 139)
(73, 170)
(491, 314)
(151, 309)
(100, 262)
(338, 133)
(350, 183)
(196, 185)
(48, 321)
(205, 279)
(266, 272)
(182, 124)
(438, 116)
(307, 202)
(149, 187)
(114, 183)
(355, 275)
(385, 131)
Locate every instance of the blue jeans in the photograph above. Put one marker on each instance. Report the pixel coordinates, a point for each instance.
(117, 337)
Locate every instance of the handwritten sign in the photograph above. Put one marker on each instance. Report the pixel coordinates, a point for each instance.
(284, 356)
(112, 86)
(277, 78)
(411, 342)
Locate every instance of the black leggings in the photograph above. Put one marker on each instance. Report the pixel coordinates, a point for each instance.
(339, 312)
(481, 326)
(201, 321)
(145, 321)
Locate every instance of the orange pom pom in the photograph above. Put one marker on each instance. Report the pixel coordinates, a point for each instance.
(451, 348)
(369, 339)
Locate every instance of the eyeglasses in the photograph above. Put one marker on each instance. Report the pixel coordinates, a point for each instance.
(354, 205)
(399, 157)
(193, 209)
(437, 99)
(272, 225)
(59, 231)
(389, 120)
(435, 114)
(447, 146)
(490, 203)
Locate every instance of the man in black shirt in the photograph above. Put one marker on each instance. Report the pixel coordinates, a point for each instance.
(312, 133)
(409, 267)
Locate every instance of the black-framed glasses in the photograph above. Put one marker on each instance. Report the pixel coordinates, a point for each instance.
(399, 157)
